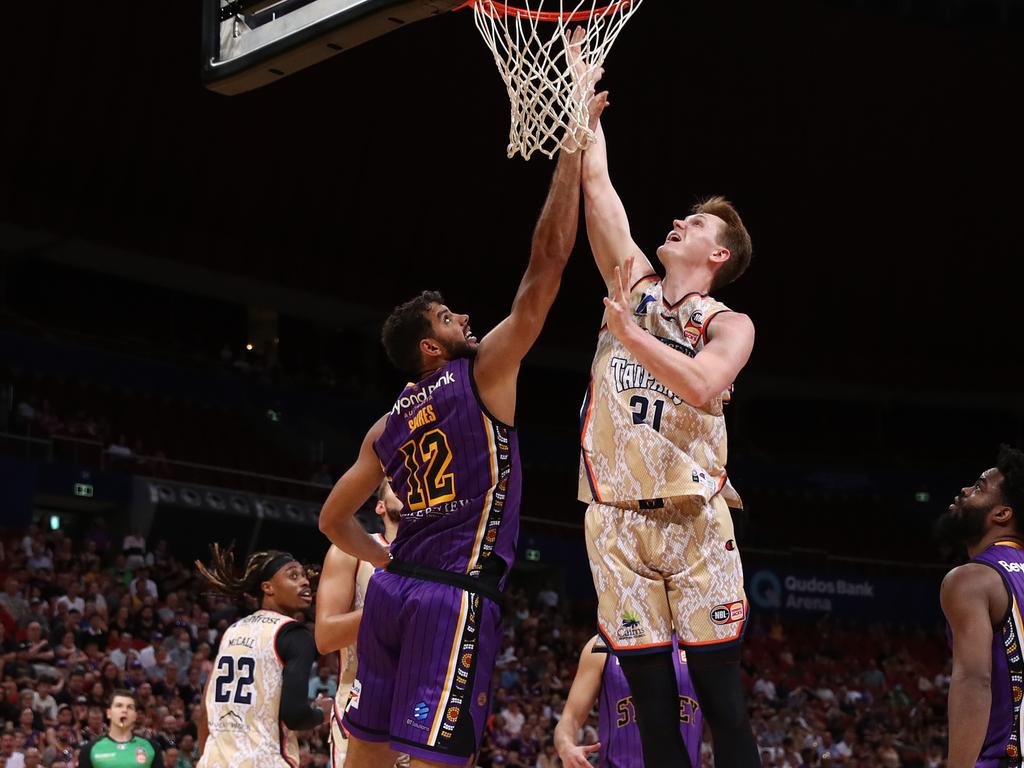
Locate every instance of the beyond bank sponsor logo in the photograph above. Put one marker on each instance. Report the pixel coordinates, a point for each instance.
(418, 398)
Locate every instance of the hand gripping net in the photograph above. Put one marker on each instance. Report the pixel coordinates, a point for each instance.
(530, 46)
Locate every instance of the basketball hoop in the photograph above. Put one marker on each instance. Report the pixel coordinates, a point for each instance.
(548, 91)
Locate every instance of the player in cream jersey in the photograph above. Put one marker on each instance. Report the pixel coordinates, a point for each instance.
(255, 698)
(653, 464)
(640, 440)
(339, 609)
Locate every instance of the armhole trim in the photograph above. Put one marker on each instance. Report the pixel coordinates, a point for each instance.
(651, 276)
(707, 324)
(1009, 593)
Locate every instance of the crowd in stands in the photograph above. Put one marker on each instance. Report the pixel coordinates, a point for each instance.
(81, 617)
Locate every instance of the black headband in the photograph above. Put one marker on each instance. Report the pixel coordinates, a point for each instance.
(275, 565)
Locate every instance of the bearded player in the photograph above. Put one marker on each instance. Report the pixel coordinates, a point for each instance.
(431, 623)
(339, 609)
(659, 532)
(982, 602)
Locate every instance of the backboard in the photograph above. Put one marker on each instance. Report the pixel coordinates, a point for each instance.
(250, 43)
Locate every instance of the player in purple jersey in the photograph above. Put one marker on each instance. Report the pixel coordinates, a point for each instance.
(431, 622)
(983, 601)
(600, 679)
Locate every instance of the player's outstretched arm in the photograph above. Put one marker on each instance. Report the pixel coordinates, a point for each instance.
(336, 624)
(582, 695)
(607, 223)
(337, 517)
(501, 351)
(695, 379)
(970, 596)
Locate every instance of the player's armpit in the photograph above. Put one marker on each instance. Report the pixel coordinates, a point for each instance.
(337, 521)
(336, 624)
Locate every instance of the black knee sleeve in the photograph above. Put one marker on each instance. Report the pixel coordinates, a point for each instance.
(652, 684)
(716, 680)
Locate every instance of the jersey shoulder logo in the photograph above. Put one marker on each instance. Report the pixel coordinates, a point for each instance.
(641, 308)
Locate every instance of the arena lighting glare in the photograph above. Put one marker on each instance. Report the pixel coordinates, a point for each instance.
(54, 522)
(923, 497)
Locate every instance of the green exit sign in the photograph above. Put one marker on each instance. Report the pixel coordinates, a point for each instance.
(533, 555)
(83, 489)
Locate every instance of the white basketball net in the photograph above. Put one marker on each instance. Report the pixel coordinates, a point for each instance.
(530, 45)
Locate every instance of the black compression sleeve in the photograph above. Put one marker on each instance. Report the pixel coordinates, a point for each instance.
(297, 649)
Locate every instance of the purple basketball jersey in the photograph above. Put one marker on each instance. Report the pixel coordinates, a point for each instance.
(1002, 741)
(457, 472)
(617, 728)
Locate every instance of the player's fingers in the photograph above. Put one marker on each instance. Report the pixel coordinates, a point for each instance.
(592, 748)
(623, 277)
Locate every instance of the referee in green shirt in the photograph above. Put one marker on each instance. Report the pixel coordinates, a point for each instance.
(120, 748)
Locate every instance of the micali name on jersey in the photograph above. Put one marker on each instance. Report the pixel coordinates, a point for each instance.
(631, 375)
(406, 403)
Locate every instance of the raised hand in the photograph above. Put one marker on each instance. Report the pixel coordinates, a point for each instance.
(585, 78)
(617, 308)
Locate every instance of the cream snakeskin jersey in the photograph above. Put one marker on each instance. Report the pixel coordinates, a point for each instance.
(639, 439)
(243, 699)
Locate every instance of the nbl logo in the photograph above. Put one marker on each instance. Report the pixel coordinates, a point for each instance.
(727, 614)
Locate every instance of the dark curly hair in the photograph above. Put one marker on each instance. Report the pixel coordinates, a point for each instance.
(1010, 464)
(406, 326)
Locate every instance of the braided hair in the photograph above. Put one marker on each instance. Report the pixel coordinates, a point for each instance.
(222, 575)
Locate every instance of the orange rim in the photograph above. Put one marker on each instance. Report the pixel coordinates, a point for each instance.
(495, 9)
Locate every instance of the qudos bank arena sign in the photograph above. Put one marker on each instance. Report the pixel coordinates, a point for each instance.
(813, 594)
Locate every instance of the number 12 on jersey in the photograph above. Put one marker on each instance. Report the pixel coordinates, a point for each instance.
(427, 460)
(641, 405)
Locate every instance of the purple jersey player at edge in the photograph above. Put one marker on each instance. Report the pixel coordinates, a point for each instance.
(599, 679)
(982, 600)
(431, 622)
